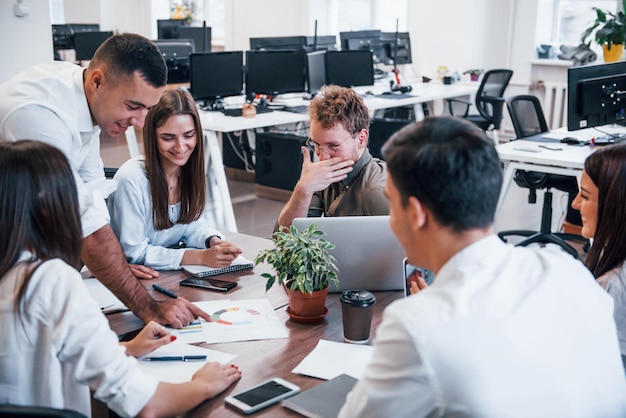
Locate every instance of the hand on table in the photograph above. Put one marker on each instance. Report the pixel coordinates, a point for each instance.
(151, 337)
(216, 377)
(143, 272)
(177, 313)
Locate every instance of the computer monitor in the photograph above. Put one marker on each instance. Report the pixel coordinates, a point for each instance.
(307, 43)
(315, 71)
(168, 28)
(350, 68)
(396, 45)
(176, 55)
(275, 72)
(596, 95)
(84, 27)
(272, 43)
(370, 40)
(62, 37)
(215, 75)
(86, 43)
(201, 36)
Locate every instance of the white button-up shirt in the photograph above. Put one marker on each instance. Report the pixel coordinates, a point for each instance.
(502, 332)
(47, 103)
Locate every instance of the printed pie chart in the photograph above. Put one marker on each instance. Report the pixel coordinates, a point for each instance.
(235, 316)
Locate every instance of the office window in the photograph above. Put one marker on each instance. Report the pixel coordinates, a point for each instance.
(573, 16)
(353, 15)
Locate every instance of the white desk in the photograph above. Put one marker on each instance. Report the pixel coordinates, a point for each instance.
(216, 123)
(565, 159)
(213, 125)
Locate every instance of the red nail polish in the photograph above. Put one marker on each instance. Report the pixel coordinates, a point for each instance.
(173, 338)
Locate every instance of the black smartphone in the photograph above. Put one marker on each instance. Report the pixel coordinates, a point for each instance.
(209, 284)
(409, 273)
(262, 396)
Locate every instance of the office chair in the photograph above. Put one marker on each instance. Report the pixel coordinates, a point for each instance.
(19, 411)
(489, 102)
(528, 119)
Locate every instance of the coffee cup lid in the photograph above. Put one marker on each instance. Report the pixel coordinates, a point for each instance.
(358, 297)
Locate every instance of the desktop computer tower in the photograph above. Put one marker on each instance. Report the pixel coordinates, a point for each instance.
(236, 151)
(381, 130)
(278, 159)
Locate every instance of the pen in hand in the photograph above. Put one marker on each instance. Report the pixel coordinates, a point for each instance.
(164, 291)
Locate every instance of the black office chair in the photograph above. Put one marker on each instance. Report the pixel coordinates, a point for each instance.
(19, 411)
(528, 119)
(489, 102)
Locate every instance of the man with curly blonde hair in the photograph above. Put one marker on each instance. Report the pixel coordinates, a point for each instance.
(345, 180)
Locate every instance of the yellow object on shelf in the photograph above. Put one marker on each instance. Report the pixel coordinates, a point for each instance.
(614, 54)
(178, 13)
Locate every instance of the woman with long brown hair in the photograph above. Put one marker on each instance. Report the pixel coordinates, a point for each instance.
(56, 344)
(157, 208)
(602, 205)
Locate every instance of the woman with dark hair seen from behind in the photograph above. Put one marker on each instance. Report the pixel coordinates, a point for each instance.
(160, 198)
(56, 344)
(602, 205)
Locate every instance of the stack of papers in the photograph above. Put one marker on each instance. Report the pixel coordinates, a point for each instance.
(239, 320)
(329, 359)
(109, 303)
(180, 371)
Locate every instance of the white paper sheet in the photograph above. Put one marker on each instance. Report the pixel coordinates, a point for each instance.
(194, 332)
(108, 302)
(329, 359)
(243, 320)
(180, 371)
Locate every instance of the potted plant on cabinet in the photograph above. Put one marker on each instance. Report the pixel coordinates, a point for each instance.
(305, 267)
(610, 33)
(474, 73)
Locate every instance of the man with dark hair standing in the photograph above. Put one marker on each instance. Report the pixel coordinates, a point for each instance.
(68, 106)
(502, 331)
(347, 180)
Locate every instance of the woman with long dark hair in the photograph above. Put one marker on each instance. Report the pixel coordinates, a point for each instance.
(157, 208)
(602, 205)
(56, 344)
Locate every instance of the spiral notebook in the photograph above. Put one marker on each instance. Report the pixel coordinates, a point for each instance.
(198, 270)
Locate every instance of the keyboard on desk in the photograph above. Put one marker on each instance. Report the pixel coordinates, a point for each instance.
(296, 109)
(236, 111)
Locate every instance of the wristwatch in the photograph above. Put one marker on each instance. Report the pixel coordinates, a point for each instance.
(207, 242)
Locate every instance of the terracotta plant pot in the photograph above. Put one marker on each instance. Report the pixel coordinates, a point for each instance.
(614, 54)
(307, 306)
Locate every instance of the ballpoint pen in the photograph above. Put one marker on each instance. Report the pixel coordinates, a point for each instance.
(164, 291)
(176, 358)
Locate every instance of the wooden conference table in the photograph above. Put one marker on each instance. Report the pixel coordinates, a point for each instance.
(263, 359)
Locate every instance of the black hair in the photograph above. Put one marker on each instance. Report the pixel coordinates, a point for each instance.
(450, 166)
(126, 53)
(39, 205)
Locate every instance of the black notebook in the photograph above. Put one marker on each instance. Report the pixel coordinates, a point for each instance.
(324, 400)
(239, 263)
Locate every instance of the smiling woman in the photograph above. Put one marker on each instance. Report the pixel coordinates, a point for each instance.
(157, 208)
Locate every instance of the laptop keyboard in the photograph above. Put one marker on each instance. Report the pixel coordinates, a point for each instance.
(237, 111)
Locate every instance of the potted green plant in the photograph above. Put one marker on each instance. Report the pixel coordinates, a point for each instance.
(609, 31)
(474, 73)
(305, 267)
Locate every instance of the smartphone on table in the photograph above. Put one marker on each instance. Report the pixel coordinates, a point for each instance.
(262, 395)
(209, 284)
(410, 274)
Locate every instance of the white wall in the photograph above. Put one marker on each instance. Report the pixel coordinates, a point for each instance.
(25, 41)
(461, 34)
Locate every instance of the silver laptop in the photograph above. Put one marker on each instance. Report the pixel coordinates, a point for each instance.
(368, 255)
